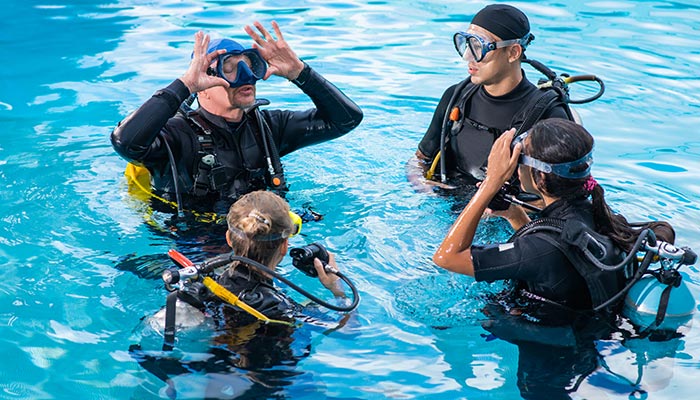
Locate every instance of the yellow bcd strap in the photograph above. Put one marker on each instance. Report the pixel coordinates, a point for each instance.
(454, 117)
(225, 295)
(431, 172)
(139, 180)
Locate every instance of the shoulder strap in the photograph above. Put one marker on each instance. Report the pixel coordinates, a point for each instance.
(277, 182)
(535, 108)
(564, 235)
(204, 146)
(169, 333)
(463, 92)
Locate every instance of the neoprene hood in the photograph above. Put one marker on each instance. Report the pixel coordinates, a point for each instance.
(503, 20)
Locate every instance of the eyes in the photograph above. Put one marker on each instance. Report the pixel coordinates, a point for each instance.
(230, 65)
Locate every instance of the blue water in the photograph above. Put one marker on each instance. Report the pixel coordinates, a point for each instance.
(71, 72)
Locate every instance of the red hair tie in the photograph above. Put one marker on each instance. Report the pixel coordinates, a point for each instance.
(590, 184)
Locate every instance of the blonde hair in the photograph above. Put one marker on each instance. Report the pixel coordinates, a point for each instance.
(258, 224)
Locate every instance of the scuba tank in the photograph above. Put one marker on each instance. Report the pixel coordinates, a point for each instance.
(660, 300)
(642, 304)
(654, 299)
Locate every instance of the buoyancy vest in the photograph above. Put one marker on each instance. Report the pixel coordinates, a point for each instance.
(532, 111)
(537, 106)
(581, 244)
(227, 171)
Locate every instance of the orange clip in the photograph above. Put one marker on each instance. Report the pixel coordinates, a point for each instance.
(454, 114)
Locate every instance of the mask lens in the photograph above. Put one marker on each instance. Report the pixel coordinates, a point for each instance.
(229, 66)
(241, 67)
(460, 43)
(476, 48)
(257, 65)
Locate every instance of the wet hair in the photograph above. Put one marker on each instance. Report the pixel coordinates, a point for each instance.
(258, 224)
(557, 140)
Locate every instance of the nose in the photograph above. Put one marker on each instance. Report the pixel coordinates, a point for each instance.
(468, 56)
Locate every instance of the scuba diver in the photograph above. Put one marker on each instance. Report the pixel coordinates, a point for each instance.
(495, 97)
(255, 323)
(571, 268)
(205, 159)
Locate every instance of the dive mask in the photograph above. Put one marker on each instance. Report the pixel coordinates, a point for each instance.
(473, 47)
(240, 67)
(569, 170)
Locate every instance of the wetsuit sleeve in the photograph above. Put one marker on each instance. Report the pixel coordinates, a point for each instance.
(526, 259)
(430, 144)
(135, 136)
(334, 115)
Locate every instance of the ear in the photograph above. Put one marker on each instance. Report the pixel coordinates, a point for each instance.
(204, 94)
(284, 247)
(228, 238)
(538, 177)
(515, 53)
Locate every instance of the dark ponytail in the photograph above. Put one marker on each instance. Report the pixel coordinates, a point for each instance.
(558, 140)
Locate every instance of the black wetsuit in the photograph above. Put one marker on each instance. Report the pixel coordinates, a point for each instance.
(252, 358)
(256, 291)
(541, 267)
(238, 147)
(468, 146)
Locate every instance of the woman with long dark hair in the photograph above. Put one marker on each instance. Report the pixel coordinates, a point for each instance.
(554, 160)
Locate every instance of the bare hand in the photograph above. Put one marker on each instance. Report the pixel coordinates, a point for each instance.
(501, 163)
(196, 78)
(281, 59)
(329, 280)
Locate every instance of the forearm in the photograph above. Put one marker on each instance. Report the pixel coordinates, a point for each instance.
(135, 134)
(454, 253)
(333, 105)
(518, 218)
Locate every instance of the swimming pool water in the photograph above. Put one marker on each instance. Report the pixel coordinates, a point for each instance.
(72, 70)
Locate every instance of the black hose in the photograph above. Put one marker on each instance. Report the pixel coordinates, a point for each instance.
(632, 253)
(581, 78)
(208, 267)
(646, 261)
(173, 168)
(551, 75)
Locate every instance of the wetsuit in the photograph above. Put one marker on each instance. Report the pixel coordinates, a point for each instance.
(237, 147)
(256, 291)
(241, 343)
(541, 267)
(469, 142)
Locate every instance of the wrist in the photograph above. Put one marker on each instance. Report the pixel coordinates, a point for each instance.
(300, 77)
(188, 83)
(490, 186)
(337, 288)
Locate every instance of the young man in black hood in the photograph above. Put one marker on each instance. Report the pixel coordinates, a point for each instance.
(494, 98)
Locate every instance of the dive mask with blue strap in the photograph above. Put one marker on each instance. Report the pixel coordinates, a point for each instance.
(238, 66)
(569, 170)
(478, 47)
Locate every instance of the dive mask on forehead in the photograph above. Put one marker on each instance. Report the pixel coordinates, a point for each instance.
(475, 47)
(571, 170)
(240, 67)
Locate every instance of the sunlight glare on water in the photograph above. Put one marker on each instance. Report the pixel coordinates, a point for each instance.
(74, 70)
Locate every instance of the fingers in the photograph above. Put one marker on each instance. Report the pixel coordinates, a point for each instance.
(265, 33)
(278, 32)
(254, 35)
(200, 42)
(318, 265)
(506, 138)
